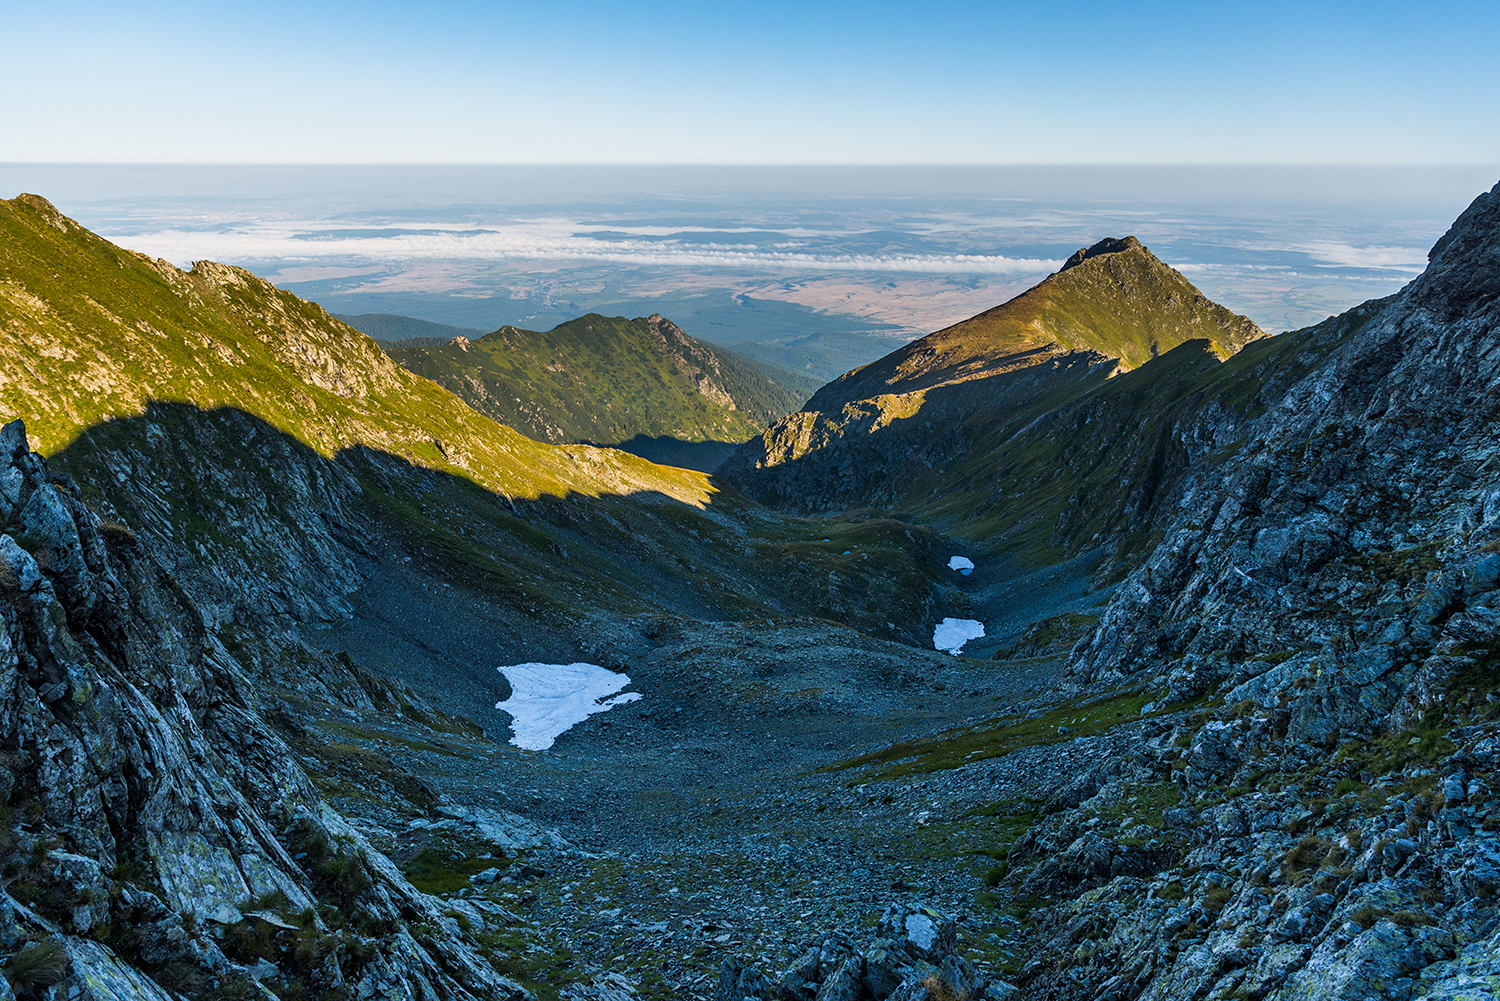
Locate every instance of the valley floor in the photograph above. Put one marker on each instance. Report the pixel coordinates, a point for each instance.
(736, 809)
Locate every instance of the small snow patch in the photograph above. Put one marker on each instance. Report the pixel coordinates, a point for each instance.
(546, 699)
(962, 564)
(952, 634)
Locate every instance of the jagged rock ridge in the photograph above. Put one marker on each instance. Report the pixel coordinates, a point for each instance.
(1335, 583)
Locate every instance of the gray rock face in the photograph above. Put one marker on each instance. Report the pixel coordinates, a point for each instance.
(1378, 450)
(1334, 581)
(151, 807)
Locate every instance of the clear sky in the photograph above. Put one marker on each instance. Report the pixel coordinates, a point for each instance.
(777, 81)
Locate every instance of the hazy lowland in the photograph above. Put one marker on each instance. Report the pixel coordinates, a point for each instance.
(814, 267)
(1056, 585)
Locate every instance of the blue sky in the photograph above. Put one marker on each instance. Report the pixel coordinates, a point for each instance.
(772, 82)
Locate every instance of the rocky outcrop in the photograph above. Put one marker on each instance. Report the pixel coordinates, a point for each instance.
(159, 838)
(1365, 490)
(1330, 831)
(913, 956)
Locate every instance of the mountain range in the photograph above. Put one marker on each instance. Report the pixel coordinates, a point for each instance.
(1233, 731)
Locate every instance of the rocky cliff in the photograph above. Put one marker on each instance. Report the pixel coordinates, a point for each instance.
(1333, 827)
(160, 839)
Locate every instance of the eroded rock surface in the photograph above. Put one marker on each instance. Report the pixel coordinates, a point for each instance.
(160, 837)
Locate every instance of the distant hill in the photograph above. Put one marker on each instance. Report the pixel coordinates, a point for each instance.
(822, 355)
(401, 329)
(642, 385)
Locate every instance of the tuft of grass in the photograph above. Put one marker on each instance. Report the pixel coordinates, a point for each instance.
(938, 989)
(182, 978)
(1217, 897)
(37, 964)
(1303, 858)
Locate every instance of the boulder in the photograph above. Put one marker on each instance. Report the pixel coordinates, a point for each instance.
(739, 981)
(922, 932)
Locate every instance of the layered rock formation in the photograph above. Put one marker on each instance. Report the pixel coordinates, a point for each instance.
(160, 837)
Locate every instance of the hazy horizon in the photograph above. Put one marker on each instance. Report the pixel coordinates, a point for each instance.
(763, 253)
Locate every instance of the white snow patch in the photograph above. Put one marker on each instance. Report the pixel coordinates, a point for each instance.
(952, 634)
(547, 699)
(962, 564)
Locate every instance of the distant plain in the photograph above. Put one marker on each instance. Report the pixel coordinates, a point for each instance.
(815, 268)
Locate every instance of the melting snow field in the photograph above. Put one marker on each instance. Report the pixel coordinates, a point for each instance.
(547, 699)
(962, 564)
(952, 634)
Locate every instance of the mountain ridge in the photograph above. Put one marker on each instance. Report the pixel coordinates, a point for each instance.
(1109, 307)
(608, 381)
(883, 434)
(1264, 764)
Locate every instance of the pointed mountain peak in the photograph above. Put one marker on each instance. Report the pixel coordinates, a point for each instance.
(1108, 245)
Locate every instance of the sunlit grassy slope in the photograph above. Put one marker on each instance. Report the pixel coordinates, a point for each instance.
(89, 331)
(265, 442)
(1115, 299)
(1039, 428)
(606, 380)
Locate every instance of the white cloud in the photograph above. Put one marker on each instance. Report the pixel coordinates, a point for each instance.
(1412, 259)
(546, 239)
(1336, 254)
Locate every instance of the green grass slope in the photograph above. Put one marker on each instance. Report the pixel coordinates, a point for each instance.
(1112, 465)
(884, 435)
(1114, 299)
(280, 453)
(608, 380)
(89, 332)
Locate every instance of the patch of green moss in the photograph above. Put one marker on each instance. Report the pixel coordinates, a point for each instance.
(1079, 717)
(366, 733)
(445, 866)
(1427, 743)
(544, 972)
